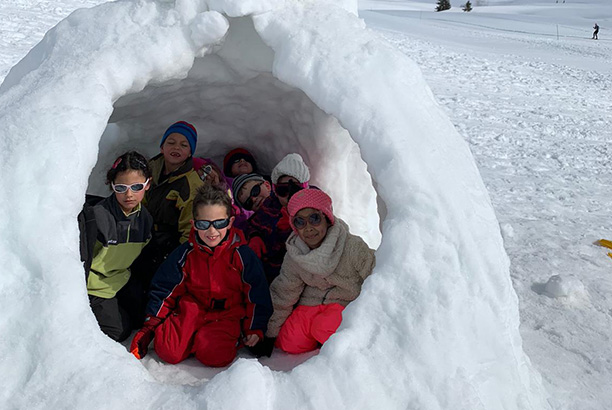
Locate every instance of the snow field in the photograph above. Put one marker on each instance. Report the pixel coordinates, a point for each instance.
(536, 114)
(436, 326)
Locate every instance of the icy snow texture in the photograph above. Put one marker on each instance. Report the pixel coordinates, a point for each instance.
(437, 324)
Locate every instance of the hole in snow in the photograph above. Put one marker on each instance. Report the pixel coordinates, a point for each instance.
(233, 100)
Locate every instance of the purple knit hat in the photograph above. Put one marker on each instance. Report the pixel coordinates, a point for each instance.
(310, 198)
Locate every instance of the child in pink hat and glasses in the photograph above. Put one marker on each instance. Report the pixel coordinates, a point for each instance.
(323, 271)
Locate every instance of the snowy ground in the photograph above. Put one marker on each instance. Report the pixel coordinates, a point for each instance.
(536, 112)
(534, 106)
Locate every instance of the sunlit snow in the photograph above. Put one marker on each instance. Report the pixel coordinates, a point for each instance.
(437, 324)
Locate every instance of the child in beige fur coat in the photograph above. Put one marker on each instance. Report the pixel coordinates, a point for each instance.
(322, 272)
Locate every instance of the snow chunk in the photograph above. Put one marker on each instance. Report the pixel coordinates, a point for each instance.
(557, 286)
(208, 28)
(507, 231)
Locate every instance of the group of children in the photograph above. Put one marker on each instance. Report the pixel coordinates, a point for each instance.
(204, 260)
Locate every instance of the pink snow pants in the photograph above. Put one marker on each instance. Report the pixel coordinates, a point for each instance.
(214, 342)
(308, 327)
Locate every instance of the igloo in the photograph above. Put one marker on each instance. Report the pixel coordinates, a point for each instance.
(436, 326)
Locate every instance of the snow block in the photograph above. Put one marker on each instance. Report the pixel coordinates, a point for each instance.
(436, 326)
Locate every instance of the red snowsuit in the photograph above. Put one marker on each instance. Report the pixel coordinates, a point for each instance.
(206, 297)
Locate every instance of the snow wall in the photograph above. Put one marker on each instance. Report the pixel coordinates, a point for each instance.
(436, 326)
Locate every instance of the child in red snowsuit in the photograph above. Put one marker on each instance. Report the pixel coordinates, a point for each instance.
(210, 293)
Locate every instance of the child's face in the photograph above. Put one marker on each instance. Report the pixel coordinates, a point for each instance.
(314, 227)
(176, 150)
(245, 197)
(212, 236)
(130, 199)
(284, 200)
(241, 166)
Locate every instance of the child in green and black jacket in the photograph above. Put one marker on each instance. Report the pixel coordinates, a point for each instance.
(121, 227)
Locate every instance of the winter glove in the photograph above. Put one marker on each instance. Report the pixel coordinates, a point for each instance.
(263, 348)
(258, 246)
(142, 338)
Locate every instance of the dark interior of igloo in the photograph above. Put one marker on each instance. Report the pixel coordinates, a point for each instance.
(233, 99)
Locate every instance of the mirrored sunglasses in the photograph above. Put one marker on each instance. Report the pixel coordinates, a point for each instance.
(122, 188)
(202, 225)
(313, 219)
(255, 191)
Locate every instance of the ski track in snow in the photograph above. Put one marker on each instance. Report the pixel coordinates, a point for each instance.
(539, 131)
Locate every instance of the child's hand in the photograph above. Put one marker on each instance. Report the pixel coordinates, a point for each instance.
(263, 348)
(251, 340)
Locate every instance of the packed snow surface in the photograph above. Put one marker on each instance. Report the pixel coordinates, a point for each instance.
(531, 93)
(436, 326)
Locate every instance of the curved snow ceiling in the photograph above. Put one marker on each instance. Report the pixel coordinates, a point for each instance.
(436, 326)
(234, 100)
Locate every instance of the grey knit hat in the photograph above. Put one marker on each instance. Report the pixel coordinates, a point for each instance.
(292, 165)
(239, 182)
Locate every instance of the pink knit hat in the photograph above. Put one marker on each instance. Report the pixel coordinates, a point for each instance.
(310, 198)
(198, 163)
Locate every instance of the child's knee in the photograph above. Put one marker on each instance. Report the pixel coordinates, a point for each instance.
(294, 336)
(327, 322)
(293, 343)
(215, 344)
(167, 354)
(218, 357)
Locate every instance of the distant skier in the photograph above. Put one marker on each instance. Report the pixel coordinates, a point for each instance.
(596, 28)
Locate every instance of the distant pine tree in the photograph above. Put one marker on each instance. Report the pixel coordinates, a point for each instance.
(467, 6)
(443, 5)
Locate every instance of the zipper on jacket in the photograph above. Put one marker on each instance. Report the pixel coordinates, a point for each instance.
(325, 296)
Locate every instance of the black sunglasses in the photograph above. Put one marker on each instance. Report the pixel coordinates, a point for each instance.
(202, 225)
(255, 191)
(286, 189)
(238, 157)
(313, 219)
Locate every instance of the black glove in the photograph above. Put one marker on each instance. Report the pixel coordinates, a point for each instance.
(263, 348)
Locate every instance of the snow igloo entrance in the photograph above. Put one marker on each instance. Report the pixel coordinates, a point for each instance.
(233, 99)
(436, 325)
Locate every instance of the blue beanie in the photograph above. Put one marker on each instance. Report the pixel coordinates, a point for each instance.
(185, 129)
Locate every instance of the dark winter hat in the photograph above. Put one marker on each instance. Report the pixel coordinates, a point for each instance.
(235, 155)
(239, 182)
(185, 129)
(310, 198)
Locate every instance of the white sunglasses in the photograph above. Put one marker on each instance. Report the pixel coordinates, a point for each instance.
(122, 188)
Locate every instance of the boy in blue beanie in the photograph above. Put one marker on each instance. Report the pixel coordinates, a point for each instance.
(186, 130)
(169, 200)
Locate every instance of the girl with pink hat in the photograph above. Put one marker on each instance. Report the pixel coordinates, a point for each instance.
(322, 272)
